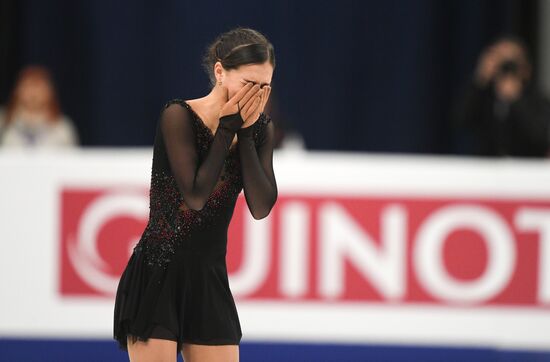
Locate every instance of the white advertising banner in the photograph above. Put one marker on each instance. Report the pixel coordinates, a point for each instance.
(359, 248)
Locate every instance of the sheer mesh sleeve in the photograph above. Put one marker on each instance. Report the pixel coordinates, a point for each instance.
(195, 182)
(260, 187)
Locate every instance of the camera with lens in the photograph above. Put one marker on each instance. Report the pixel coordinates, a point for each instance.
(508, 67)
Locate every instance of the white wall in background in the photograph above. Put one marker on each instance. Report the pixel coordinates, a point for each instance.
(360, 241)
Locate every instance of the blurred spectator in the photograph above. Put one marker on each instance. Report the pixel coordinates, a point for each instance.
(32, 117)
(501, 112)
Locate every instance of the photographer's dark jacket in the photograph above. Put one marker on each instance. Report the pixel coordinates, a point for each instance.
(487, 126)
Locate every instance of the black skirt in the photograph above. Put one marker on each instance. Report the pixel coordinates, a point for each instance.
(188, 301)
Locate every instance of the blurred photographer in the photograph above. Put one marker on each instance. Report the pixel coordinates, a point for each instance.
(501, 113)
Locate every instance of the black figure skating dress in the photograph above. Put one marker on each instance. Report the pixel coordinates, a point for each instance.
(175, 285)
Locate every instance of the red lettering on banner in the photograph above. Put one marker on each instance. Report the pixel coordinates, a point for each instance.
(98, 231)
(371, 249)
(399, 250)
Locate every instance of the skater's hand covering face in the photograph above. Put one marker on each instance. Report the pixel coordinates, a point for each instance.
(247, 87)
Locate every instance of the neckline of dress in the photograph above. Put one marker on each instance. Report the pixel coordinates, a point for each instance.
(201, 122)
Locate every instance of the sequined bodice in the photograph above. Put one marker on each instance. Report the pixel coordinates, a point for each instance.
(171, 221)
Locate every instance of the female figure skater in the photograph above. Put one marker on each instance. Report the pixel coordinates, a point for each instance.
(174, 295)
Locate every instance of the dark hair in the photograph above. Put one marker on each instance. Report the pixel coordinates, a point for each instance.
(39, 73)
(238, 47)
(517, 40)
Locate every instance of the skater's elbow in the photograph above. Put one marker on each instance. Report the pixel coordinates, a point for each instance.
(194, 202)
(197, 205)
(262, 212)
